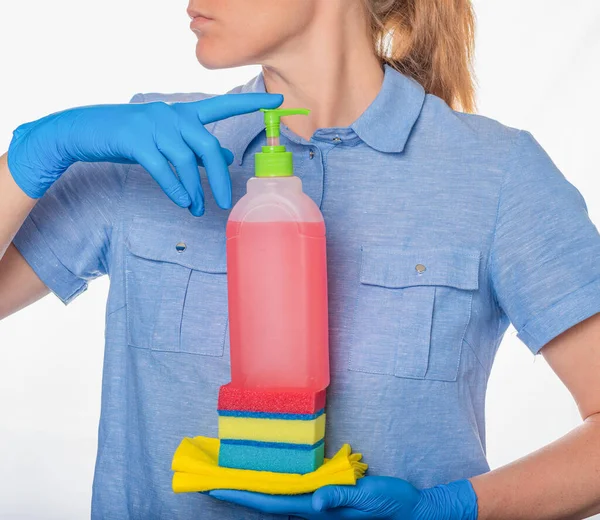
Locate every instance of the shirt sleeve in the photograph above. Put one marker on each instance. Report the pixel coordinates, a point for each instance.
(66, 237)
(545, 256)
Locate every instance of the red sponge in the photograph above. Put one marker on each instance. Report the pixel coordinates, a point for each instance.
(292, 401)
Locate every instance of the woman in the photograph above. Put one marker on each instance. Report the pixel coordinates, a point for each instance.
(443, 227)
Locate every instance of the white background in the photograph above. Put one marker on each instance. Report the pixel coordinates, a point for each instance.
(537, 66)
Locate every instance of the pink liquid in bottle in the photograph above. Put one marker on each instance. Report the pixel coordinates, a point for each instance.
(277, 283)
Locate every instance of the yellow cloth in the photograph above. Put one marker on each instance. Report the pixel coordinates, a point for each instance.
(196, 468)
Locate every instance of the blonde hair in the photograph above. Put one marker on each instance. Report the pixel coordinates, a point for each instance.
(431, 41)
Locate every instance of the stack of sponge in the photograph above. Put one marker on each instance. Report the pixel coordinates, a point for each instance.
(271, 429)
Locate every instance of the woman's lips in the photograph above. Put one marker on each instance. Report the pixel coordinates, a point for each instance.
(199, 22)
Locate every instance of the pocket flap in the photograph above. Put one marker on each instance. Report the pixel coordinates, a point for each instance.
(397, 267)
(201, 248)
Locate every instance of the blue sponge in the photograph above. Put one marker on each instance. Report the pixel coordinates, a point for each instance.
(280, 457)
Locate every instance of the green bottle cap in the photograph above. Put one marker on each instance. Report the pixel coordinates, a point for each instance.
(274, 160)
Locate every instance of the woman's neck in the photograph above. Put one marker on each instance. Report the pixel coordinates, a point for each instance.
(330, 69)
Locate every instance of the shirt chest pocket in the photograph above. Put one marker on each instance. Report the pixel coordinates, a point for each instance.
(412, 310)
(176, 289)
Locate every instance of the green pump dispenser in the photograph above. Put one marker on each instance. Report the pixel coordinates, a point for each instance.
(274, 160)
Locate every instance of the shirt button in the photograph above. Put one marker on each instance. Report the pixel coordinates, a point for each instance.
(311, 154)
(420, 268)
(180, 247)
(337, 139)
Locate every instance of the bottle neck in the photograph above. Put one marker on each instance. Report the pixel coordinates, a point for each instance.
(274, 184)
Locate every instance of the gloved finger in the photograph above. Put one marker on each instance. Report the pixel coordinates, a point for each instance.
(228, 105)
(227, 155)
(207, 148)
(330, 497)
(186, 165)
(298, 505)
(158, 167)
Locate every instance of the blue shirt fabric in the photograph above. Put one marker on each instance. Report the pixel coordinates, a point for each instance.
(442, 228)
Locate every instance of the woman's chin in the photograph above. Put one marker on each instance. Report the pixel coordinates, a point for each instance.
(211, 58)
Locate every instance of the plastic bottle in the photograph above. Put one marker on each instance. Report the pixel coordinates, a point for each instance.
(277, 276)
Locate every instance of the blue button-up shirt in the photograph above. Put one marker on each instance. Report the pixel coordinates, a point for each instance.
(442, 228)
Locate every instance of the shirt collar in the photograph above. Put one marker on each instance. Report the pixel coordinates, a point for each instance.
(387, 122)
(244, 128)
(385, 125)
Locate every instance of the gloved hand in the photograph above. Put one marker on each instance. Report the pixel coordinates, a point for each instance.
(149, 134)
(371, 497)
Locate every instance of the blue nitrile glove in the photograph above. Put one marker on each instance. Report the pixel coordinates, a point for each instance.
(371, 497)
(151, 134)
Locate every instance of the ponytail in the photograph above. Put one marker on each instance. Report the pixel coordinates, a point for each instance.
(431, 41)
